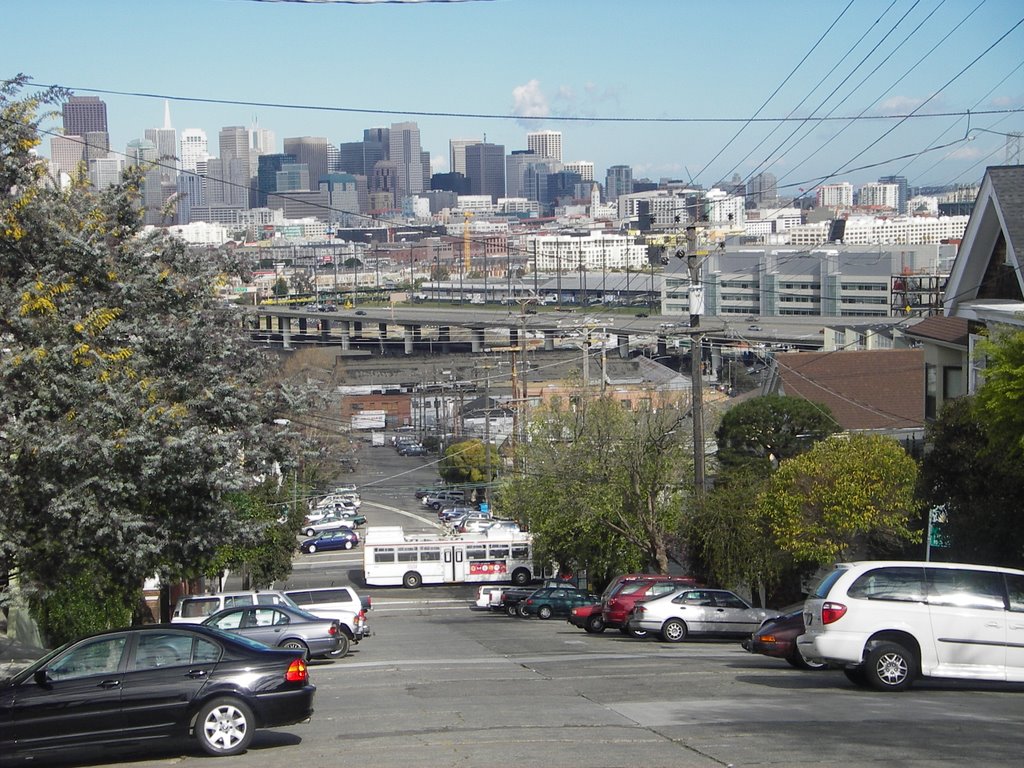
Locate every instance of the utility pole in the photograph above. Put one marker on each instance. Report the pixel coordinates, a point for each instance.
(696, 298)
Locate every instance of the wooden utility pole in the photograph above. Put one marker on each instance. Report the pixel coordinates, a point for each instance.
(693, 262)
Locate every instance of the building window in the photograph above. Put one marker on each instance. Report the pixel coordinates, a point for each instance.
(952, 382)
(929, 391)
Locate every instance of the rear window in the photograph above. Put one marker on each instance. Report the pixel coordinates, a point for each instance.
(825, 585)
(192, 608)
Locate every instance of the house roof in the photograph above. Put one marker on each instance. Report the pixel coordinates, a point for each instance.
(950, 331)
(865, 389)
(987, 281)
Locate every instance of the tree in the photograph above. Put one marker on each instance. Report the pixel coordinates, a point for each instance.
(469, 463)
(764, 431)
(846, 497)
(602, 487)
(134, 405)
(979, 485)
(1000, 399)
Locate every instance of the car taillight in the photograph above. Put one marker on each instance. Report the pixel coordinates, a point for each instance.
(297, 672)
(638, 609)
(769, 638)
(529, 601)
(332, 630)
(832, 612)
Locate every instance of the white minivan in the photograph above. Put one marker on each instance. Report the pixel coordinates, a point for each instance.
(888, 622)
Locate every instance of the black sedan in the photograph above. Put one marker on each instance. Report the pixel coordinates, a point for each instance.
(280, 625)
(150, 682)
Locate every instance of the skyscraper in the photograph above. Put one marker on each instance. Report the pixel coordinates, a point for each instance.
(904, 190)
(546, 143)
(142, 152)
(583, 167)
(763, 188)
(485, 169)
(405, 152)
(266, 175)
(166, 141)
(234, 157)
(618, 181)
(311, 150)
(194, 149)
(457, 154)
(515, 171)
(84, 114)
(67, 155)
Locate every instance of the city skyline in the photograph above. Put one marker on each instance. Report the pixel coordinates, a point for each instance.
(637, 104)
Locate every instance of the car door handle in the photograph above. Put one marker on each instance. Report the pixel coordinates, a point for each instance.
(110, 684)
(196, 673)
(993, 624)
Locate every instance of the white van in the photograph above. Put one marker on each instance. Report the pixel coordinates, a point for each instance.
(193, 609)
(888, 622)
(339, 603)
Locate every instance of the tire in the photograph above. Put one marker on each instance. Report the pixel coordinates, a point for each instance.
(890, 667)
(296, 645)
(521, 611)
(511, 609)
(343, 645)
(544, 612)
(640, 634)
(348, 545)
(312, 548)
(595, 625)
(436, 506)
(520, 577)
(797, 661)
(224, 727)
(310, 532)
(412, 580)
(674, 631)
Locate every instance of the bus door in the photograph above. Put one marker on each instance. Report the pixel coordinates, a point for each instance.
(454, 565)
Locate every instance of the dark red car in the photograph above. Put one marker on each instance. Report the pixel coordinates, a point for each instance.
(777, 637)
(622, 594)
(587, 617)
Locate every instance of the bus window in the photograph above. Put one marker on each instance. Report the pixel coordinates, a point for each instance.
(408, 554)
(476, 552)
(384, 555)
(499, 551)
(430, 555)
(520, 552)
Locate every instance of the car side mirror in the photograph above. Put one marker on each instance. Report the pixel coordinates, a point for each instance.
(42, 677)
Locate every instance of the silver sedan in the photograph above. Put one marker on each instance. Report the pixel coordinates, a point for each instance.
(691, 611)
(283, 627)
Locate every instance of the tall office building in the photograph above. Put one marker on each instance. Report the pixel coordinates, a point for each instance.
(359, 157)
(405, 152)
(84, 114)
(515, 171)
(618, 181)
(311, 150)
(97, 145)
(266, 176)
(879, 195)
(903, 191)
(583, 167)
(194, 149)
(231, 186)
(105, 171)
(835, 195)
(143, 152)
(166, 141)
(546, 143)
(67, 155)
(457, 154)
(763, 188)
(485, 169)
(264, 140)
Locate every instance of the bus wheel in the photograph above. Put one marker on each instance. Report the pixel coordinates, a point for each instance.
(520, 577)
(412, 580)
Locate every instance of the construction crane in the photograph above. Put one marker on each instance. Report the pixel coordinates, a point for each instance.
(467, 262)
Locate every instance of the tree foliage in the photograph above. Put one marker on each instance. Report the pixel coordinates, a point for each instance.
(133, 404)
(601, 487)
(978, 483)
(764, 431)
(469, 462)
(1000, 399)
(846, 497)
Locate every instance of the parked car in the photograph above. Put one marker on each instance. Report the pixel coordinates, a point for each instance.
(340, 603)
(512, 597)
(677, 616)
(622, 594)
(474, 524)
(448, 513)
(341, 538)
(777, 638)
(556, 601)
(67, 698)
(886, 623)
(483, 595)
(413, 449)
(440, 499)
(333, 522)
(587, 617)
(192, 609)
(284, 627)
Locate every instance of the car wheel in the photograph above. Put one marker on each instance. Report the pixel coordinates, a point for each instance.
(310, 532)
(638, 633)
(595, 625)
(297, 645)
(520, 577)
(343, 645)
(673, 631)
(224, 727)
(890, 667)
(511, 609)
(348, 545)
(412, 580)
(521, 611)
(797, 661)
(544, 612)
(312, 548)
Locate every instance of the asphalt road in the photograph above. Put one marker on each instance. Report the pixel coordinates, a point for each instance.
(439, 684)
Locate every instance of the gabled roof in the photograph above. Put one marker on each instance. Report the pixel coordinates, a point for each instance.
(987, 282)
(865, 389)
(947, 331)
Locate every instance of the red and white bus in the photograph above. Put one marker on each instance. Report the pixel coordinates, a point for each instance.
(392, 557)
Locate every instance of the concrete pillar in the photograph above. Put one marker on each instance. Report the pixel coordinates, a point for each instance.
(346, 334)
(325, 329)
(549, 339)
(284, 324)
(476, 336)
(444, 336)
(268, 322)
(410, 332)
(623, 340)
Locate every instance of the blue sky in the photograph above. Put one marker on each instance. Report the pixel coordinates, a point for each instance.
(649, 64)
